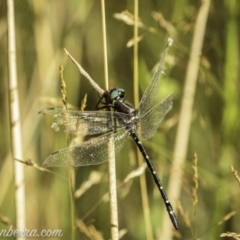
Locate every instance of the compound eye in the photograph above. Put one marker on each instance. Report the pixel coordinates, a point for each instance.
(121, 92)
(115, 94)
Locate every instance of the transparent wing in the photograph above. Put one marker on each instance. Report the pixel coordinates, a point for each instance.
(150, 121)
(91, 152)
(152, 90)
(86, 122)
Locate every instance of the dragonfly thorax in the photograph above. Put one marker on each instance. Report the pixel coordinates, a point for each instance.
(116, 96)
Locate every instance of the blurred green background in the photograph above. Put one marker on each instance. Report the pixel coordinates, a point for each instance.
(43, 29)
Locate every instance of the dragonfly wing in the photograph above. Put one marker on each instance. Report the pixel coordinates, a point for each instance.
(91, 152)
(152, 90)
(86, 122)
(150, 121)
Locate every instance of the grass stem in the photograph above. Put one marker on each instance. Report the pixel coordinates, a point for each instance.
(183, 129)
(111, 152)
(143, 184)
(15, 122)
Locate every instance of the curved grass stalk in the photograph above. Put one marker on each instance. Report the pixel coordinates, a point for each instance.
(181, 142)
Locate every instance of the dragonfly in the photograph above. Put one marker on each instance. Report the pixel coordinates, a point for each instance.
(112, 128)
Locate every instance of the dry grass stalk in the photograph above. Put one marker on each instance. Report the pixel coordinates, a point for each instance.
(83, 103)
(15, 121)
(231, 234)
(158, 16)
(97, 88)
(63, 87)
(235, 174)
(194, 192)
(227, 217)
(131, 42)
(143, 182)
(31, 163)
(71, 171)
(183, 129)
(125, 185)
(111, 150)
(195, 180)
(94, 178)
(135, 173)
(89, 230)
(104, 36)
(129, 18)
(122, 232)
(184, 215)
(105, 197)
(6, 221)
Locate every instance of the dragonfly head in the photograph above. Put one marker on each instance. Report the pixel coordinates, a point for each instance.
(116, 94)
